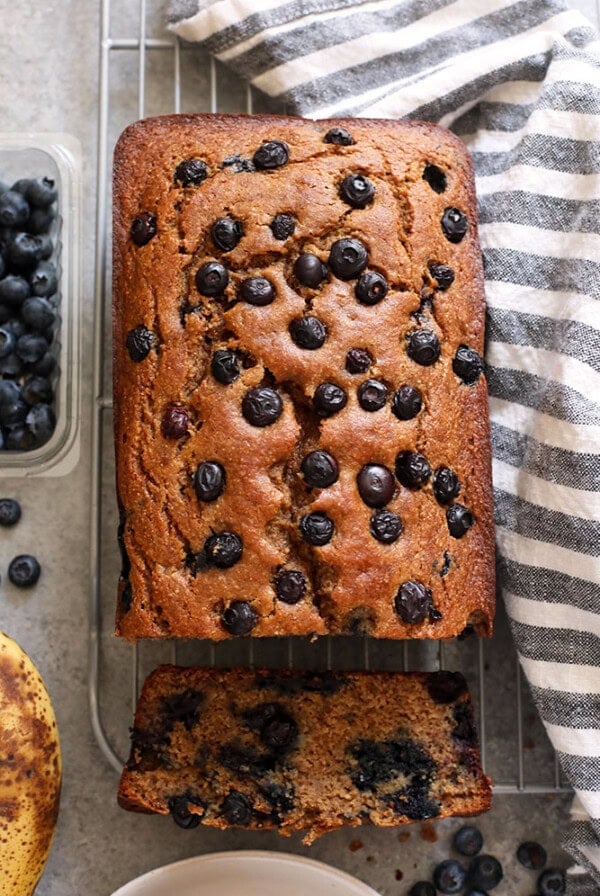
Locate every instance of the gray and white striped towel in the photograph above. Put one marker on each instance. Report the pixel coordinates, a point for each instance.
(519, 81)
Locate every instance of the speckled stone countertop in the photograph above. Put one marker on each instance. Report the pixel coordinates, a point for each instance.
(49, 75)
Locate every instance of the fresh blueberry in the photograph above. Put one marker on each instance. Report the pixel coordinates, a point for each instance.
(468, 840)
(9, 392)
(532, 855)
(16, 326)
(13, 290)
(375, 485)
(435, 177)
(143, 228)
(442, 274)
(308, 332)
(211, 279)
(316, 528)
(283, 226)
(454, 224)
(371, 288)
(10, 512)
(412, 469)
(485, 872)
(407, 402)
(412, 604)
(23, 252)
(38, 313)
(348, 258)
(39, 223)
(372, 395)
(223, 549)
(339, 137)
(385, 526)
(209, 480)
(45, 365)
(13, 412)
(422, 888)
(21, 186)
(262, 406)
(41, 422)
(7, 342)
(175, 422)
(11, 365)
(18, 437)
(459, 520)
(226, 233)
(14, 209)
(423, 346)
(320, 469)
(446, 486)
(257, 291)
(37, 389)
(239, 618)
(139, 342)
(183, 818)
(328, 399)
(467, 364)
(236, 808)
(551, 882)
(2, 267)
(224, 366)
(41, 192)
(446, 687)
(358, 360)
(44, 280)
(290, 585)
(5, 314)
(191, 172)
(272, 154)
(357, 190)
(309, 270)
(449, 876)
(31, 347)
(24, 571)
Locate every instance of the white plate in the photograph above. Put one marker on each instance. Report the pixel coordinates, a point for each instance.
(246, 873)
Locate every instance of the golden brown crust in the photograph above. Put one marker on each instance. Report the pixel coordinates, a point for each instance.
(354, 578)
(389, 752)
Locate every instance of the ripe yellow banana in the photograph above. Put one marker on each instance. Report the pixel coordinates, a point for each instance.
(30, 771)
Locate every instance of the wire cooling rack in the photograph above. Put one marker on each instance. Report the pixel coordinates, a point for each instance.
(140, 75)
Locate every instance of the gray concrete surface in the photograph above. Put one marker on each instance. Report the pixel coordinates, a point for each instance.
(49, 82)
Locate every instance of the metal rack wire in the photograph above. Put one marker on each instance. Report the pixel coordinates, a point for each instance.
(515, 750)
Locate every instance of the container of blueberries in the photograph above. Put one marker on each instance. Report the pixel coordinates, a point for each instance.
(39, 303)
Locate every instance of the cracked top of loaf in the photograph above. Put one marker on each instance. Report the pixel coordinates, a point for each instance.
(300, 410)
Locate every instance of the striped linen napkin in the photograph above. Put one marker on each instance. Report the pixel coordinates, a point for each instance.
(520, 83)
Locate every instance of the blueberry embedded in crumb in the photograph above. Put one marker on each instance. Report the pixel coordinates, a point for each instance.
(211, 279)
(412, 469)
(446, 687)
(446, 565)
(236, 808)
(375, 485)
(272, 154)
(468, 840)
(210, 480)
(423, 347)
(413, 602)
(329, 399)
(191, 172)
(126, 597)
(308, 332)
(320, 469)
(183, 707)
(435, 177)
(358, 360)
(357, 190)
(10, 512)
(139, 342)
(280, 731)
(339, 137)
(257, 291)
(467, 364)
(226, 233)
(309, 270)
(290, 585)
(24, 571)
(445, 485)
(175, 422)
(551, 882)
(454, 224)
(143, 228)
(459, 519)
(449, 876)
(283, 226)
(407, 402)
(385, 526)
(317, 528)
(348, 258)
(485, 872)
(262, 406)
(180, 812)
(442, 274)
(372, 395)
(223, 549)
(224, 366)
(532, 855)
(371, 288)
(239, 618)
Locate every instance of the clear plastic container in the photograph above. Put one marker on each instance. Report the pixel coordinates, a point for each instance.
(57, 156)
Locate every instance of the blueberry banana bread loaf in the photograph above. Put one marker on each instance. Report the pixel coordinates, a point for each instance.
(301, 415)
(303, 751)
